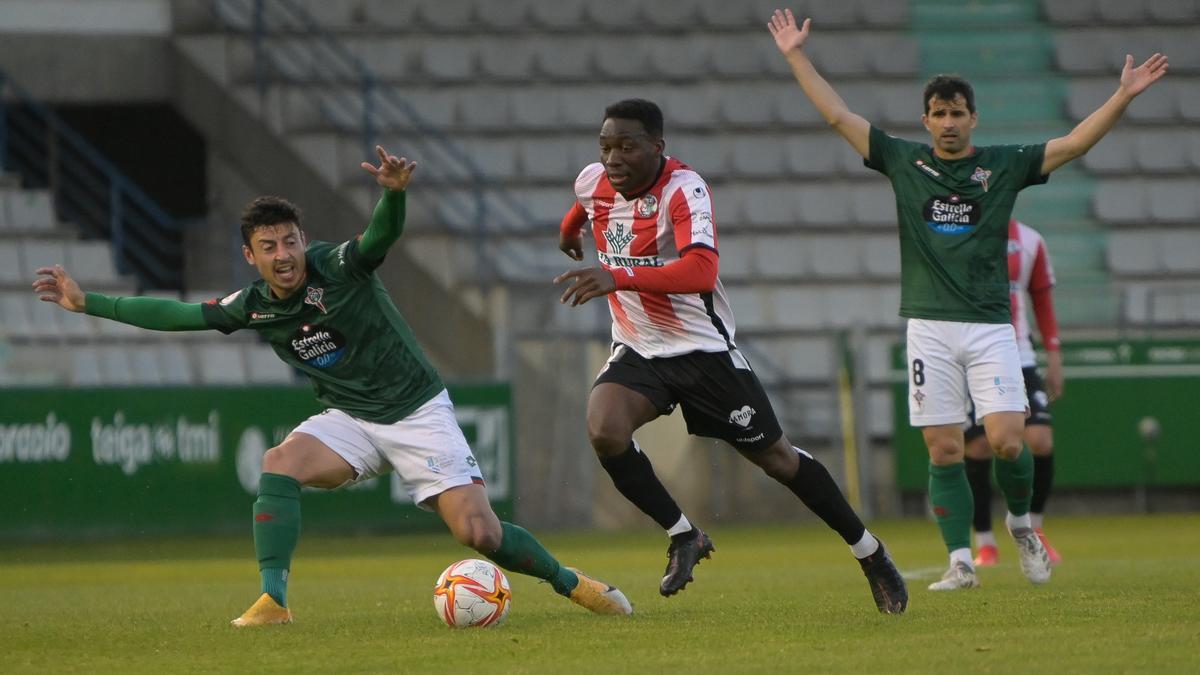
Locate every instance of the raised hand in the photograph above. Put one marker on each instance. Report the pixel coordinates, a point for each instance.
(58, 287)
(783, 28)
(393, 172)
(589, 282)
(1135, 80)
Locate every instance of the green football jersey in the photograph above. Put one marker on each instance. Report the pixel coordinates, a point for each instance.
(343, 331)
(953, 217)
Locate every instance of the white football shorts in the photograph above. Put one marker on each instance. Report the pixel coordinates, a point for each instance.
(951, 363)
(427, 449)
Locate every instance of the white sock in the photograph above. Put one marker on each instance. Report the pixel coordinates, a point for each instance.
(962, 555)
(865, 546)
(985, 539)
(1036, 519)
(680, 527)
(1015, 522)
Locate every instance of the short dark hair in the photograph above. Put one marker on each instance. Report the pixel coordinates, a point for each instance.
(946, 87)
(646, 112)
(266, 211)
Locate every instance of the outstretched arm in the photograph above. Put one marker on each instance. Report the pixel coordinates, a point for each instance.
(790, 41)
(387, 223)
(154, 313)
(1087, 133)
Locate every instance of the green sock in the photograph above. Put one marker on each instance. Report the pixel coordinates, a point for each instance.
(276, 531)
(953, 506)
(1015, 478)
(520, 552)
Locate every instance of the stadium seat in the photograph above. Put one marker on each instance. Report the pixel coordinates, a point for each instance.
(542, 159)
(746, 105)
(783, 256)
(1174, 12)
(671, 15)
(893, 55)
(1069, 12)
(736, 55)
(689, 107)
(1187, 101)
(559, 15)
(1113, 154)
(884, 13)
(812, 155)
(36, 253)
(85, 367)
(77, 325)
(839, 57)
(758, 156)
(116, 367)
(835, 257)
(91, 262)
(263, 366)
(537, 108)
(676, 58)
(1132, 252)
(508, 15)
(1121, 12)
(484, 109)
(881, 257)
(737, 257)
(1180, 251)
(12, 272)
(1120, 201)
(449, 15)
(220, 364)
(1162, 152)
(801, 307)
(445, 61)
(389, 13)
(749, 307)
(30, 210)
(722, 14)
(15, 320)
(495, 158)
(765, 206)
(874, 204)
(824, 203)
(623, 58)
(1174, 201)
(619, 14)
(176, 369)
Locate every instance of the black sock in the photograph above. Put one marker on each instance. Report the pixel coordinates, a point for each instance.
(634, 478)
(1043, 478)
(979, 475)
(817, 489)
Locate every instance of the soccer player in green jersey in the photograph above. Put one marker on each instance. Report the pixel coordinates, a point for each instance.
(325, 312)
(953, 202)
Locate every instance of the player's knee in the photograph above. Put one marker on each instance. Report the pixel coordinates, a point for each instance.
(479, 534)
(1041, 447)
(942, 454)
(607, 439)
(1008, 448)
(278, 460)
(776, 461)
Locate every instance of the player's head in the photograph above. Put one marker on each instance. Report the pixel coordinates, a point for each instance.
(631, 144)
(273, 242)
(950, 113)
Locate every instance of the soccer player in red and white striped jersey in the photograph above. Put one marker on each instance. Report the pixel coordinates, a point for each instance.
(673, 343)
(1030, 275)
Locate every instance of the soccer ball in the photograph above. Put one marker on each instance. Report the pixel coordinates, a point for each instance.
(472, 593)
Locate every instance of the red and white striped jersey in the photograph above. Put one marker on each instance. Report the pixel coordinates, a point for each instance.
(1029, 271)
(654, 230)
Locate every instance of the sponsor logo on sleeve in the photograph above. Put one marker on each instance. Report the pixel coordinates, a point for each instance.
(927, 169)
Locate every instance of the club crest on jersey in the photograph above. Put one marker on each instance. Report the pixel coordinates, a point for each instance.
(617, 237)
(313, 296)
(981, 176)
(647, 206)
(927, 169)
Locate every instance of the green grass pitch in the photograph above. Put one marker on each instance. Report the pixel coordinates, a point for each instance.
(772, 599)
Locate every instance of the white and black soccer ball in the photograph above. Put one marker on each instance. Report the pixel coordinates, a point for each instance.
(472, 593)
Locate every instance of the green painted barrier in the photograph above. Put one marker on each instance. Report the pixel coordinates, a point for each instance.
(98, 462)
(1130, 416)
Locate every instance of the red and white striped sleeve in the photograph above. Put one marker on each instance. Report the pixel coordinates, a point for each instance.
(1041, 281)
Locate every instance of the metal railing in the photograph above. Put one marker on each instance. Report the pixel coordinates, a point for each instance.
(290, 48)
(89, 190)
